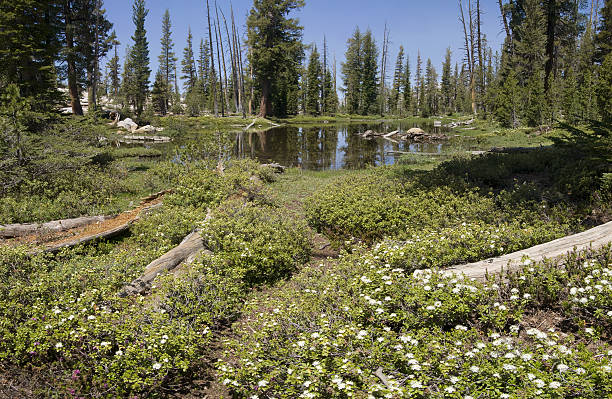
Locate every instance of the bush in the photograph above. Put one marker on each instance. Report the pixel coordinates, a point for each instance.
(259, 244)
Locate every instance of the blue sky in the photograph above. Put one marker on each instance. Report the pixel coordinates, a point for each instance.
(429, 26)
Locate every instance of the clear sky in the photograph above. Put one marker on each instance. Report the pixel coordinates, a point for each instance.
(428, 26)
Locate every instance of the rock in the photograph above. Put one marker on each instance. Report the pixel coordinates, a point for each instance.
(416, 131)
(128, 124)
(146, 129)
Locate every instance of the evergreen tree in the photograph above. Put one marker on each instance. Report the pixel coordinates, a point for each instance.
(330, 94)
(431, 102)
(603, 40)
(369, 76)
(398, 76)
(604, 90)
(418, 93)
(159, 94)
(189, 65)
(530, 53)
(29, 47)
(167, 58)
(276, 51)
(204, 68)
(114, 75)
(351, 73)
(446, 86)
(407, 88)
(314, 84)
(138, 61)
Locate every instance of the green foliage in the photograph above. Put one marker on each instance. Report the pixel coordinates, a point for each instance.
(314, 84)
(604, 90)
(276, 51)
(136, 77)
(333, 330)
(258, 244)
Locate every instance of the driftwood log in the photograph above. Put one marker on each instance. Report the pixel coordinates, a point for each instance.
(157, 139)
(53, 248)
(185, 252)
(56, 226)
(594, 238)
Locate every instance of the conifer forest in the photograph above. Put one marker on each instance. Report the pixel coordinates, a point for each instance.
(263, 204)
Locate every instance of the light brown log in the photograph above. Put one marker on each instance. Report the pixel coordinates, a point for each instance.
(595, 238)
(53, 248)
(186, 251)
(56, 226)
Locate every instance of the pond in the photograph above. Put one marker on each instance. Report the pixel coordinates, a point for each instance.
(326, 147)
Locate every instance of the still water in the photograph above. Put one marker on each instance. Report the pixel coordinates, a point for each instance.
(332, 147)
(326, 147)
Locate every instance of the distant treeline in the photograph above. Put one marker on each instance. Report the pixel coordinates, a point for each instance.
(555, 64)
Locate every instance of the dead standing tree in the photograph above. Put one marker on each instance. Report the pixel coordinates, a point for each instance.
(469, 35)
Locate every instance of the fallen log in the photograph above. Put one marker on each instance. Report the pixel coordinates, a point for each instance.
(508, 150)
(185, 252)
(161, 139)
(56, 226)
(251, 125)
(393, 133)
(594, 238)
(54, 248)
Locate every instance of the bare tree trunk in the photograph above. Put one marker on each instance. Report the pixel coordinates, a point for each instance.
(265, 107)
(239, 71)
(222, 59)
(221, 90)
(383, 70)
(252, 88)
(481, 64)
(472, 60)
(73, 89)
(505, 20)
(232, 61)
(212, 63)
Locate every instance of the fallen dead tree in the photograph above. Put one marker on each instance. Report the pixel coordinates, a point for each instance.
(110, 233)
(56, 226)
(185, 252)
(594, 238)
(156, 139)
(415, 135)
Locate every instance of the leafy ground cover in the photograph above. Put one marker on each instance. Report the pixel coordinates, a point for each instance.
(382, 320)
(361, 327)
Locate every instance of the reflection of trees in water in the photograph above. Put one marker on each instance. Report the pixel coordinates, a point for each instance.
(328, 147)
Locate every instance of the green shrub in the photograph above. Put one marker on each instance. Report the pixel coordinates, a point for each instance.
(260, 244)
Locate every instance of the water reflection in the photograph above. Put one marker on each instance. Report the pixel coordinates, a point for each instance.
(333, 147)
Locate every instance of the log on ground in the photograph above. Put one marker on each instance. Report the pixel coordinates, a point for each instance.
(56, 226)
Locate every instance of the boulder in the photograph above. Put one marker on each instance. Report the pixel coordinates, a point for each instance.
(146, 129)
(416, 131)
(128, 124)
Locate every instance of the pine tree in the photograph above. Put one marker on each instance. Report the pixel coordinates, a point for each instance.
(418, 93)
(330, 94)
(604, 90)
(203, 68)
(431, 102)
(314, 84)
(29, 47)
(603, 39)
(113, 73)
(351, 73)
(159, 93)
(397, 82)
(407, 88)
(530, 50)
(276, 51)
(139, 59)
(189, 66)
(369, 76)
(446, 86)
(167, 58)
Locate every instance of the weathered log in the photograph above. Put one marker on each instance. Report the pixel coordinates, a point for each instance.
(56, 226)
(594, 238)
(185, 252)
(53, 248)
(508, 150)
(162, 139)
(393, 133)
(251, 125)
(155, 196)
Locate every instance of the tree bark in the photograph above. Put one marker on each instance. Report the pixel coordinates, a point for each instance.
(212, 63)
(265, 108)
(73, 89)
(505, 20)
(551, 24)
